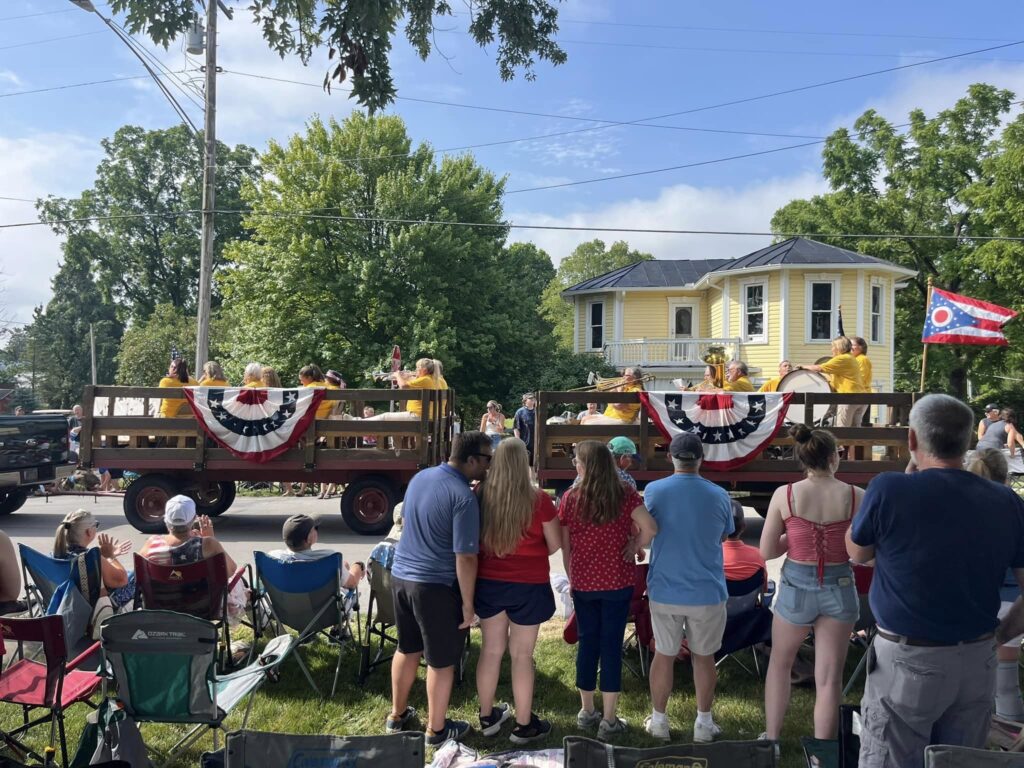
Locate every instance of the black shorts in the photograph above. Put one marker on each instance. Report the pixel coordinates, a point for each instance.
(525, 604)
(427, 617)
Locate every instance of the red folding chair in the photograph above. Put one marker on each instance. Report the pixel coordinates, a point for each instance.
(198, 589)
(53, 684)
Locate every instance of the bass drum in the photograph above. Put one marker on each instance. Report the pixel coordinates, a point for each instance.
(805, 381)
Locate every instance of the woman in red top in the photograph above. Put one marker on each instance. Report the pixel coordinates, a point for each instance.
(518, 533)
(604, 524)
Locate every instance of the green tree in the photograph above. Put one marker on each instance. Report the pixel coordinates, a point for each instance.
(140, 261)
(932, 179)
(145, 350)
(587, 260)
(62, 330)
(340, 291)
(359, 33)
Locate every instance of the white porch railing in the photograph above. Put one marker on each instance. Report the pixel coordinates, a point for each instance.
(665, 352)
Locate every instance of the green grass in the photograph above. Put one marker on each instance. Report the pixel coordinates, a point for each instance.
(290, 706)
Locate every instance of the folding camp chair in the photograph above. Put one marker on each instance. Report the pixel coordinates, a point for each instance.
(164, 664)
(53, 685)
(198, 589)
(255, 749)
(43, 574)
(380, 611)
(308, 596)
(748, 620)
(946, 756)
(865, 628)
(581, 752)
(641, 637)
(843, 752)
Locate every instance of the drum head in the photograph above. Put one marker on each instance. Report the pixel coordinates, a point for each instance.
(805, 381)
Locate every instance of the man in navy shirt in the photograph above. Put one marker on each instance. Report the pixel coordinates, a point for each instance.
(524, 422)
(433, 582)
(942, 539)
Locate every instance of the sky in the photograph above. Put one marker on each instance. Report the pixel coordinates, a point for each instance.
(665, 67)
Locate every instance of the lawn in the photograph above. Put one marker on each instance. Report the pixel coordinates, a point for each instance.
(290, 706)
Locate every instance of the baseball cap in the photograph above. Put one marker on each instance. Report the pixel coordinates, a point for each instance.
(623, 446)
(991, 407)
(686, 446)
(179, 511)
(296, 529)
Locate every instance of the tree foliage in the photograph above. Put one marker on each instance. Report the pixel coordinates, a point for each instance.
(359, 33)
(587, 260)
(340, 289)
(141, 261)
(146, 347)
(953, 175)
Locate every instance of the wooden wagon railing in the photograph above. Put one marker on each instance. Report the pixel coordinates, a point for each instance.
(874, 449)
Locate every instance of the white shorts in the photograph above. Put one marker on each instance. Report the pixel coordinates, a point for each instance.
(703, 626)
(1004, 608)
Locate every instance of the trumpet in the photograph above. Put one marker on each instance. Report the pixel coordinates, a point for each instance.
(389, 375)
(597, 383)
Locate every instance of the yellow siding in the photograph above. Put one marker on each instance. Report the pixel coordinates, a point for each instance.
(646, 313)
(582, 319)
(713, 302)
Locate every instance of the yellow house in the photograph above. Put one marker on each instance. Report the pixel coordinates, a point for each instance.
(779, 303)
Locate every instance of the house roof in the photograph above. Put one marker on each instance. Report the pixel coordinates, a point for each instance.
(671, 273)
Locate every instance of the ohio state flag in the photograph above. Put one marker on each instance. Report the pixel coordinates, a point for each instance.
(956, 319)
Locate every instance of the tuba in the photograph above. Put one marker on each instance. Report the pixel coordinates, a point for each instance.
(715, 357)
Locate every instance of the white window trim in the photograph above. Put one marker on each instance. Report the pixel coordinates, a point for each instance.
(576, 325)
(763, 338)
(589, 325)
(879, 283)
(809, 281)
(694, 304)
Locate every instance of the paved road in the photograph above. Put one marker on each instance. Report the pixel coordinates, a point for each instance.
(251, 523)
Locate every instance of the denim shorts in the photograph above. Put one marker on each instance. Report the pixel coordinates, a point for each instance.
(801, 600)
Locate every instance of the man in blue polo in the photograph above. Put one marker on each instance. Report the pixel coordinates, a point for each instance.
(941, 539)
(433, 583)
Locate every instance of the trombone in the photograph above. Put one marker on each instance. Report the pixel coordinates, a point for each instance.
(597, 383)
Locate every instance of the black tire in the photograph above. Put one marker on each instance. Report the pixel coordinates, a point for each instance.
(145, 499)
(11, 500)
(368, 505)
(213, 499)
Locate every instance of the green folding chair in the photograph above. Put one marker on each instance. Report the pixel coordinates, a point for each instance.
(165, 667)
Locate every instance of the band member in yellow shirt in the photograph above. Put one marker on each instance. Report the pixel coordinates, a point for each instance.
(213, 376)
(859, 350)
(772, 385)
(621, 413)
(252, 377)
(846, 379)
(736, 377)
(426, 376)
(177, 376)
(312, 376)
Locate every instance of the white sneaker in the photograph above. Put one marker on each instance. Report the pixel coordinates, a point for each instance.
(705, 734)
(657, 730)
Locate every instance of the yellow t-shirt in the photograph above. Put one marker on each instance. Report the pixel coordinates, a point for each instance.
(742, 384)
(845, 373)
(253, 385)
(420, 382)
(865, 371)
(772, 385)
(204, 382)
(326, 406)
(170, 408)
(625, 412)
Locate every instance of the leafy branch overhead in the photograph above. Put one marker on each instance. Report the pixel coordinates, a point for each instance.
(359, 33)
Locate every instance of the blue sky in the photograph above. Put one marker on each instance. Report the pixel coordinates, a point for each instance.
(627, 61)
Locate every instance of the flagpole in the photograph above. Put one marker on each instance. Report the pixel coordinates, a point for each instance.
(924, 354)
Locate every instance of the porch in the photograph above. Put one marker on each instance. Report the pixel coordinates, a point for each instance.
(677, 353)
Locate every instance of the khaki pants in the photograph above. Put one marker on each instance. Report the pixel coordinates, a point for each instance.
(916, 696)
(850, 415)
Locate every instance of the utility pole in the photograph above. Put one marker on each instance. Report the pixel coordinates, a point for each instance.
(209, 189)
(92, 352)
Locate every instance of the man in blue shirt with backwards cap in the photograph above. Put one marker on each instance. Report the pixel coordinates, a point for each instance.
(942, 539)
(433, 582)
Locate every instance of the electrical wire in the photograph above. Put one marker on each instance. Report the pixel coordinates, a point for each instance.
(46, 40)
(18, 199)
(163, 68)
(34, 15)
(78, 85)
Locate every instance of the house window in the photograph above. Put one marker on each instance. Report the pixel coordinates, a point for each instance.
(684, 322)
(595, 325)
(822, 306)
(876, 314)
(754, 312)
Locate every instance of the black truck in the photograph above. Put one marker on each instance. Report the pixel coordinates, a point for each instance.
(34, 450)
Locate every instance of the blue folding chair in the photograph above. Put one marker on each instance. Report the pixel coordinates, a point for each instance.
(308, 596)
(43, 574)
(748, 620)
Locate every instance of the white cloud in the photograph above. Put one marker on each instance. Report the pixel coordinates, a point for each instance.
(682, 206)
(7, 77)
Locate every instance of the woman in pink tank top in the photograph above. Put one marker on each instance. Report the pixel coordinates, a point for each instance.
(807, 521)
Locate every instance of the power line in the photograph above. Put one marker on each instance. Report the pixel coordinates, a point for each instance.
(47, 40)
(511, 225)
(78, 85)
(18, 199)
(33, 15)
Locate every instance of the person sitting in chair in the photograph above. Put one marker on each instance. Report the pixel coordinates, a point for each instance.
(621, 413)
(772, 385)
(736, 377)
(741, 561)
(300, 534)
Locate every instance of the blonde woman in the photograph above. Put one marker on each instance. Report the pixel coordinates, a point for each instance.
(269, 377)
(846, 378)
(78, 531)
(492, 423)
(213, 375)
(426, 376)
(519, 531)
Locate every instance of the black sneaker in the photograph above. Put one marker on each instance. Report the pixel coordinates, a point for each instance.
(524, 734)
(491, 724)
(455, 730)
(398, 724)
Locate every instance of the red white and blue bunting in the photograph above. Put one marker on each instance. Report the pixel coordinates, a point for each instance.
(734, 427)
(254, 424)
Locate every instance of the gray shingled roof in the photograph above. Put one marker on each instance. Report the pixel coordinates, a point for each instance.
(666, 273)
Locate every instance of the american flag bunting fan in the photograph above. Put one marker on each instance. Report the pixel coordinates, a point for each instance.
(733, 427)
